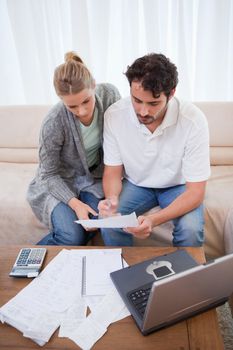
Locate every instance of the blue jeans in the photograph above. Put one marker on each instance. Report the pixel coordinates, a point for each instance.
(188, 229)
(65, 231)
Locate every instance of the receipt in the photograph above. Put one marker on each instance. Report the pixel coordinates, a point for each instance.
(110, 309)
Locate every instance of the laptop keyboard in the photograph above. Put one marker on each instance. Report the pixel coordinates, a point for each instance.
(139, 298)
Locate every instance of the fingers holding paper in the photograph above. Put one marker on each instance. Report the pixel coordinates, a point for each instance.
(108, 207)
(83, 211)
(143, 230)
(85, 214)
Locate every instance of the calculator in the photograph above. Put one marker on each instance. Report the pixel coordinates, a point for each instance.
(28, 262)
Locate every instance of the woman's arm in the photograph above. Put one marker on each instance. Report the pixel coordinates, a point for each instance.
(52, 139)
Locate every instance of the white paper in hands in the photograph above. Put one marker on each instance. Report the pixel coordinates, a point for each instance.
(118, 221)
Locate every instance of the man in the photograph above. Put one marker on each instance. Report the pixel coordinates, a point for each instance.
(159, 146)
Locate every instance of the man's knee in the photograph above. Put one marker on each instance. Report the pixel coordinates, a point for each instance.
(189, 231)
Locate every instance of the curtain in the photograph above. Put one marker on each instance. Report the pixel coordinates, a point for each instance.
(197, 35)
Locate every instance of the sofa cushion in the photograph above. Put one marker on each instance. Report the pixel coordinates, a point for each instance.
(218, 203)
(221, 155)
(220, 120)
(18, 223)
(20, 142)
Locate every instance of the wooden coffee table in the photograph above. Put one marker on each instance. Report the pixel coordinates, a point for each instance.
(197, 333)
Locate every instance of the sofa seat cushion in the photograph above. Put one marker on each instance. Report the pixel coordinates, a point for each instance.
(218, 216)
(218, 205)
(16, 216)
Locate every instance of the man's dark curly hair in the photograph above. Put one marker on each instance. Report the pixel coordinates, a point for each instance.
(155, 72)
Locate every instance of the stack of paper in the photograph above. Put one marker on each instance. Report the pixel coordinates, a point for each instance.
(37, 310)
(55, 298)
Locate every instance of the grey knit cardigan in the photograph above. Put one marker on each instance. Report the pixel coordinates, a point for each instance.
(63, 170)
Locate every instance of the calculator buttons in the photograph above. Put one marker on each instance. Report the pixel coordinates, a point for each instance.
(28, 262)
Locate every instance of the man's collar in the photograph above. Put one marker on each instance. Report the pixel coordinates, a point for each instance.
(171, 114)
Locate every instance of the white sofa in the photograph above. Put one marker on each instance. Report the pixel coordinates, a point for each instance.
(19, 131)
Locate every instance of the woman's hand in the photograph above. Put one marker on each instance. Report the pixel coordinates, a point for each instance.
(82, 211)
(144, 229)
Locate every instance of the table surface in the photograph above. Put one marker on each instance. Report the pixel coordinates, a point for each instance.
(197, 333)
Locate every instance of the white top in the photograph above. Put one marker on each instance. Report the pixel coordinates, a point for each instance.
(91, 140)
(177, 152)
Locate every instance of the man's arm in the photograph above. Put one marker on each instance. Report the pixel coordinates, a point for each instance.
(112, 186)
(187, 201)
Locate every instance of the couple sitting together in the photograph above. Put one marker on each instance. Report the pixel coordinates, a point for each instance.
(99, 154)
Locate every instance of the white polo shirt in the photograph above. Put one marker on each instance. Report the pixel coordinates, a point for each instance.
(175, 153)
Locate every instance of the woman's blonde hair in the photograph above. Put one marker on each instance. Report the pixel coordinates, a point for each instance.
(72, 76)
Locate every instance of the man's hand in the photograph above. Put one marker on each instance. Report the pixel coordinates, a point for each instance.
(82, 211)
(108, 207)
(144, 229)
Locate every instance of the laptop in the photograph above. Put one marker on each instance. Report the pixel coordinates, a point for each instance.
(167, 289)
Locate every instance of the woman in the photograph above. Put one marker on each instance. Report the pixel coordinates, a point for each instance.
(67, 185)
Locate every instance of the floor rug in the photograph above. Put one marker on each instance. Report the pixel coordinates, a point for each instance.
(226, 325)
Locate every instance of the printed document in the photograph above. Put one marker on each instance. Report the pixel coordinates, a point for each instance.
(118, 221)
(98, 268)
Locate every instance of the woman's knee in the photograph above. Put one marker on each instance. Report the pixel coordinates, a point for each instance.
(116, 237)
(70, 237)
(65, 231)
